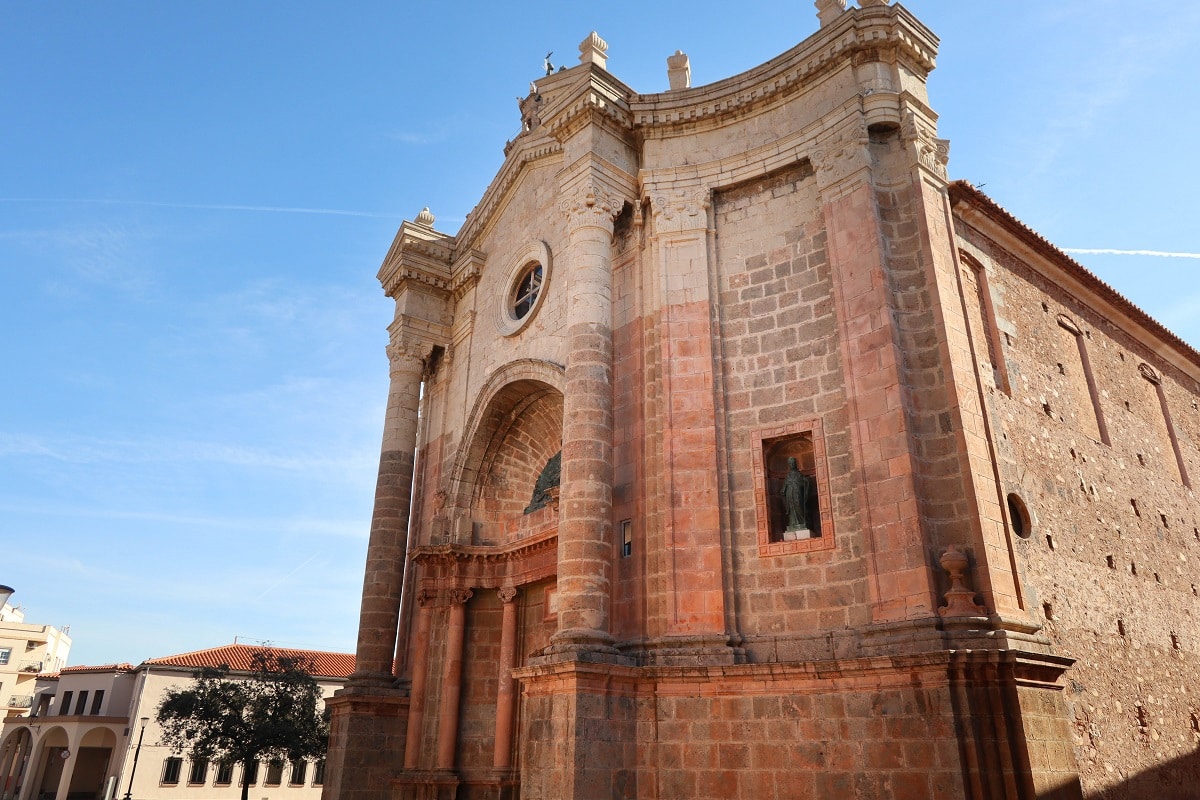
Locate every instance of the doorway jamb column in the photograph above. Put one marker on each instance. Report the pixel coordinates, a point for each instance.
(452, 678)
(420, 662)
(505, 685)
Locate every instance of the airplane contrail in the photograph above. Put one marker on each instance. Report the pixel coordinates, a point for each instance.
(203, 206)
(1109, 252)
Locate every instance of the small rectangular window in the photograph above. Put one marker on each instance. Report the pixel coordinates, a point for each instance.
(319, 773)
(97, 702)
(5, 654)
(171, 769)
(274, 773)
(299, 769)
(250, 774)
(81, 704)
(224, 773)
(626, 538)
(199, 772)
(64, 707)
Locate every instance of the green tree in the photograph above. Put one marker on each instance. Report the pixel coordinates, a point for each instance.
(274, 713)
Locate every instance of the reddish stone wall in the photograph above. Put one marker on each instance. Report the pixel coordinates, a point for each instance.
(1112, 560)
(630, 448)
(481, 659)
(741, 732)
(783, 366)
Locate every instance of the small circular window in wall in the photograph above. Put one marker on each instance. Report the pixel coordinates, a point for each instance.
(526, 283)
(527, 290)
(1018, 516)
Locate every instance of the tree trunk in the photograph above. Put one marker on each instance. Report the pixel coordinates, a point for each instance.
(246, 774)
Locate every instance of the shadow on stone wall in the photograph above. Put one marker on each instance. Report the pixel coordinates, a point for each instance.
(1175, 780)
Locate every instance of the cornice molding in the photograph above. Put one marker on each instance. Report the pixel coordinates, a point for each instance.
(524, 151)
(465, 272)
(881, 33)
(600, 99)
(1006, 231)
(418, 254)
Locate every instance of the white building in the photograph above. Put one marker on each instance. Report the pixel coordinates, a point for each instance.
(26, 651)
(92, 735)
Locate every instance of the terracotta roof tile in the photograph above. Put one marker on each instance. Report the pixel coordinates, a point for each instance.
(240, 657)
(964, 192)
(101, 668)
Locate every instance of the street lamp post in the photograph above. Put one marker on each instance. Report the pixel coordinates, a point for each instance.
(137, 752)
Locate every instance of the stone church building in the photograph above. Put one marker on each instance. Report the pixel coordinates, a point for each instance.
(733, 451)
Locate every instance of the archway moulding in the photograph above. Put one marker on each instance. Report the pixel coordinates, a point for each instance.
(477, 437)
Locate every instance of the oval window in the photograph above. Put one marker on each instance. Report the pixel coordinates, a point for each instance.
(1018, 516)
(525, 291)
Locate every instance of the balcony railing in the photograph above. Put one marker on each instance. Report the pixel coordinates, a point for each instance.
(30, 666)
(20, 701)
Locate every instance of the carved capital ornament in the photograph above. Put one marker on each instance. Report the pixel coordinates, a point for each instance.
(591, 205)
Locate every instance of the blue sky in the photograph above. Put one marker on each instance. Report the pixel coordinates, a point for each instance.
(195, 198)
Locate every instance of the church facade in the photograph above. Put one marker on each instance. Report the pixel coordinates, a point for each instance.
(732, 450)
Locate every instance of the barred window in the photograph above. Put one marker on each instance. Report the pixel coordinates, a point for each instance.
(199, 771)
(171, 769)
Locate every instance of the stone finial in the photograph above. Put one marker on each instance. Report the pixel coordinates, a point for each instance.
(960, 601)
(593, 50)
(829, 10)
(425, 218)
(679, 70)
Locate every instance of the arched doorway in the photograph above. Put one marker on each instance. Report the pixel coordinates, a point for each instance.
(91, 764)
(14, 762)
(49, 762)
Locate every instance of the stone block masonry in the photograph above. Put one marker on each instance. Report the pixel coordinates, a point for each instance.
(866, 490)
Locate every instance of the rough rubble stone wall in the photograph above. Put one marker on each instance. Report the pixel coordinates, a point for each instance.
(1112, 560)
(783, 366)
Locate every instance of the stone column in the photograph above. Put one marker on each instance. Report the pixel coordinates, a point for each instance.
(505, 685)
(383, 580)
(420, 662)
(452, 678)
(585, 512)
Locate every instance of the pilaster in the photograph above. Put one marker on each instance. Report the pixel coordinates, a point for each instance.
(693, 625)
(901, 580)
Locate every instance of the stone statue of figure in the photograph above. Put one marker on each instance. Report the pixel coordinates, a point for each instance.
(796, 490)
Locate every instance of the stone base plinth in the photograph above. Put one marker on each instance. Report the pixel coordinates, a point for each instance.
(366, 742)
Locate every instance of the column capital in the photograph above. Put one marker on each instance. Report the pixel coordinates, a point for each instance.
(678, 209)
(407, 348)
(507, 594)
(928, 151)
(425, 598)
(841, 155)
(459, 596)
(591, 205)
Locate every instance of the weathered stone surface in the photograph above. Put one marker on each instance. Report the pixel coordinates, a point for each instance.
(772, 267)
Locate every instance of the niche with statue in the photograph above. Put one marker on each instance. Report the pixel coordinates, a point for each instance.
(793, 507)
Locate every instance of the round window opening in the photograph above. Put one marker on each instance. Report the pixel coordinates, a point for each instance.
(525, 291)
(1018, 517)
